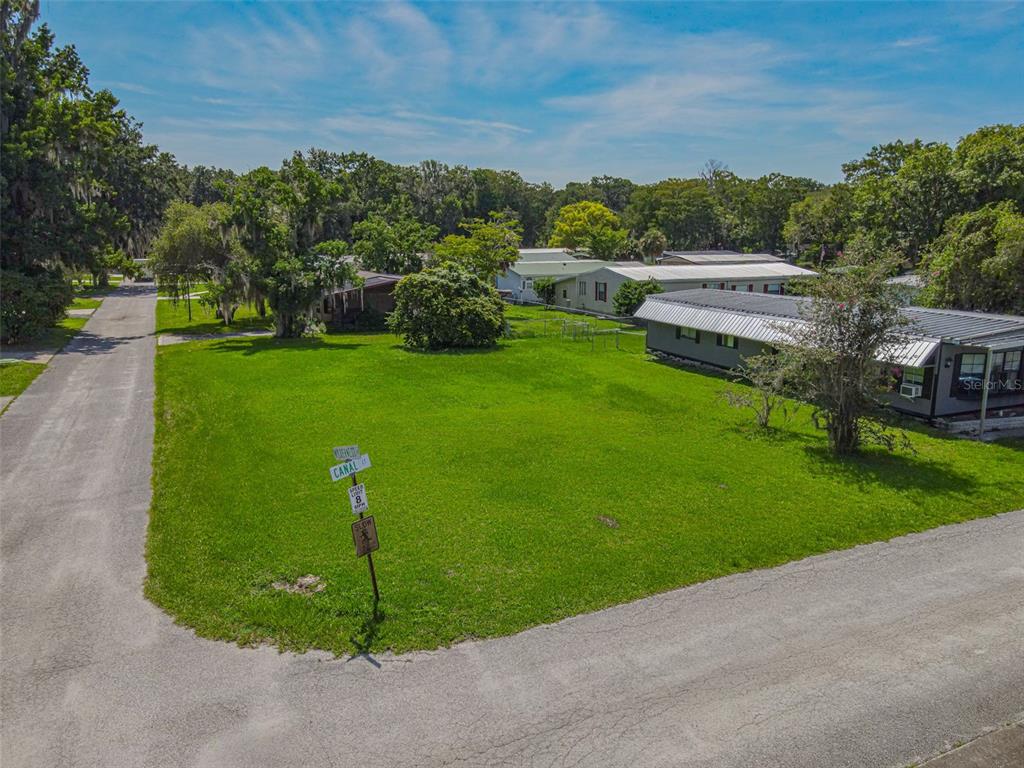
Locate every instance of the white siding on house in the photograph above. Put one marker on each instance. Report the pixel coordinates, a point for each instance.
(759, 278)
(520, 277)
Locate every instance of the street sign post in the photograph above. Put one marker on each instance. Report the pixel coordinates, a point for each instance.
(357, 498)
(364, 535)
(350, 467)
(346, 452)
(364, 530)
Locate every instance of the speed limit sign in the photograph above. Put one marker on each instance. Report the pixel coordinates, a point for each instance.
(357, 498)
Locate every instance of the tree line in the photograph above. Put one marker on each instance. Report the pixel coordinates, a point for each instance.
(82, 192)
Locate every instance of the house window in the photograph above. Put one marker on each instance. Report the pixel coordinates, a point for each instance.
(528, 284)
(969, 374)
(1005, 372)
(913, 376)
(692, 334)
(581, 289)
(732, 287)
(721, 286)
(601, 291)
(775, 288)
(725, 340)
(703, 285)
(750, 287)
(565, 293)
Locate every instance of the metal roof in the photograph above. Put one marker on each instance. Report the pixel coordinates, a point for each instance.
(545, 254)
(717, 257)
(712, 272)
(555, 268)
(768, 330)
(763, 315)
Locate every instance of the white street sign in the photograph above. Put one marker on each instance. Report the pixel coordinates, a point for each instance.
(346, 468)
(346, 452)
(357, 498)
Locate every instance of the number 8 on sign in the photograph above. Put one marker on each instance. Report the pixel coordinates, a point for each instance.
(357, 498)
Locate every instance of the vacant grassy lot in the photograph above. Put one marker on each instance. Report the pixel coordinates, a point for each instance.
(172, 317)
(511, 487)
(16, 376)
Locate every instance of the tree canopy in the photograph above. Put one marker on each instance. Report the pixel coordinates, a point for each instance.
(589, 226)
(488, 247)
(447, 307)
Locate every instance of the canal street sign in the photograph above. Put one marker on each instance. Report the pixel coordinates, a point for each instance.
(357, 498)
(346, 452)
(364, 535)
(346, 468)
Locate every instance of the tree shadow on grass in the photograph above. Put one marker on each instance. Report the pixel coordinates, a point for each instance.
(454, 352)
(214, 326)
(774, 435)
(250, 345)
(876, 467)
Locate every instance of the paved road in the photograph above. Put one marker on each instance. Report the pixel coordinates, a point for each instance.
(875, 656)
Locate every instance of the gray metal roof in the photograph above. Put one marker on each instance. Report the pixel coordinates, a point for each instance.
(717, 257)
(546, 254)
(711, 272)
(565, 267)
(957, 326)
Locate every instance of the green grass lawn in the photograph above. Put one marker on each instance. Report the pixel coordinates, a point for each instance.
(16, 376)
(54, 337)
(86, 302)
(511, 487)
(172, 317)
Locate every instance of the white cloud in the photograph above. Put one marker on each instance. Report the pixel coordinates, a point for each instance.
(116, 85)
(917, 41)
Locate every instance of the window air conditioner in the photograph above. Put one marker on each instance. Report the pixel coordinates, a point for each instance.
(910, 390)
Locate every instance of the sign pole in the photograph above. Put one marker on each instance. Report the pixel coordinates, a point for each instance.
(369, 560)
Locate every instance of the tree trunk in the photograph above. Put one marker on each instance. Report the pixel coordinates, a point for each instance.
(227, 311)
(843, 433)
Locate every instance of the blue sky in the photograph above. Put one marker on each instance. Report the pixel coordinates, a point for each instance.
(555, 91)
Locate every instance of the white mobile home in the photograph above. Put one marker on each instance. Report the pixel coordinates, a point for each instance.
(519, 278)
(594, 290)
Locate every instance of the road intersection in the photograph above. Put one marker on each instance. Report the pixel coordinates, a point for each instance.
(875, 656)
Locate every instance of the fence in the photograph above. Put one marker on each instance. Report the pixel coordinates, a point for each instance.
(585, 332)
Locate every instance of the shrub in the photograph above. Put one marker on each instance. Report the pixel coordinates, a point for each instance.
(446, 307)
(544, 287)
(31, 303)
(631, 295)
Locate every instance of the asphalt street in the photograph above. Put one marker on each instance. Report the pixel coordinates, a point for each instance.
(875, 656)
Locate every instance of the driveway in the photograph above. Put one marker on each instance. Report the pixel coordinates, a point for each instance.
(876, 656)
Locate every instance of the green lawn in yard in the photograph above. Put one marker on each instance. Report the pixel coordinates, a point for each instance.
(81, 302)
(172, 317)
(16, 376)
(55, 337)
(511, 487)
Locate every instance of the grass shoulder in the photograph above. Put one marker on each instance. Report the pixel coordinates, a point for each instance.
(16, 375)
